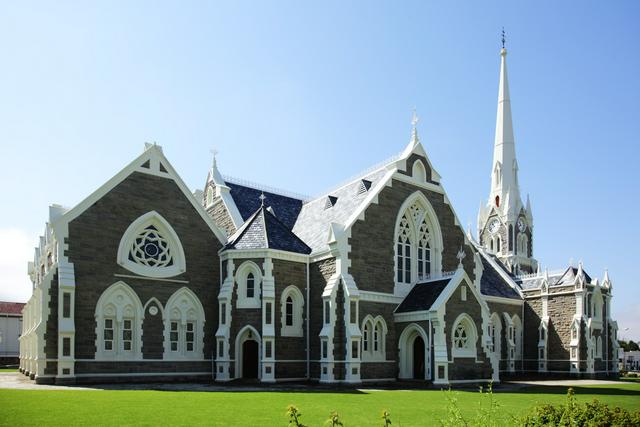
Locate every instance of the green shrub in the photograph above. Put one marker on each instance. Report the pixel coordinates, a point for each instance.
(573, 414)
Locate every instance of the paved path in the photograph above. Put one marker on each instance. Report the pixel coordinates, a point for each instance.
(18, 381)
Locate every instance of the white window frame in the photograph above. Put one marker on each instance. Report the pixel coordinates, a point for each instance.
(294, 330)
(167, 232)
(470, 349)
(120, 303)
(183, 308)
(416, 209)
(373, 327)
(246, 268)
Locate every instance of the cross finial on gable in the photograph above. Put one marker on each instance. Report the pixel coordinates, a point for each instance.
(262, 197)
(214, 152)
(414, 118)
(461, 255)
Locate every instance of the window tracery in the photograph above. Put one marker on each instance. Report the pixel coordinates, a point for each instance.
(150, 247)
(418, 242)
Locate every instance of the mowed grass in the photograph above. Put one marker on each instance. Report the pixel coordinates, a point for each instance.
(236, 408)
(8, 370)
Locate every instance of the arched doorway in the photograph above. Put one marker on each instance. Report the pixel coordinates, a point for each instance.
(414, 351)
(418, 358)
(247, 352)
(250, 359)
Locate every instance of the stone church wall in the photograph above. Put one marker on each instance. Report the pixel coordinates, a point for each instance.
(372, 240)
(319, 273)
(94, 237)
(288, 273)
(466, 368)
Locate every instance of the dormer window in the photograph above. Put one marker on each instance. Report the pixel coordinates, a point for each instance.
(364, 186)
(330, 202)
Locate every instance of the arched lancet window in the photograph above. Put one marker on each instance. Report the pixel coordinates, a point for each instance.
(150, 247)
(291, 309)
(209, 197)
(510, 237)
(119, 324)
(418, 171)
(464, 337)
(498, 243)
(373, 338)
(248, 279)
(251, 286)
(495, 332)
(418, 243)
(523, 244)
(517, 337)
(424, 250)
(366, 336)
(184, 326)
(404, 251)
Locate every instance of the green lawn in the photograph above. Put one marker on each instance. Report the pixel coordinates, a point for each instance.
(408, 408)
(8, 370)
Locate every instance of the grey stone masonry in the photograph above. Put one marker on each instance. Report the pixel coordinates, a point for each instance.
(94, 237)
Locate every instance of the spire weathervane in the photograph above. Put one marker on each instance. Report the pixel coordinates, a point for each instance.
(503, 39)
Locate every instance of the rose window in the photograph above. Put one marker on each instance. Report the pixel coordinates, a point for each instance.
(149, 248)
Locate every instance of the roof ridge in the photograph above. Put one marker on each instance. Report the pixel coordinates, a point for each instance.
(266, 188)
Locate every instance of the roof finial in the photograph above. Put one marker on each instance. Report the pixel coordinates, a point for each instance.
(214, 152)
(262, 197)
(503, 38)
(414, 128)
(460, 255)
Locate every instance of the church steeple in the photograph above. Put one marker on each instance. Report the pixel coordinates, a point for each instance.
(504, 223)
(504, 183)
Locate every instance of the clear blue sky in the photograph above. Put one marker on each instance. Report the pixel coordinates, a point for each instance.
(303, 96)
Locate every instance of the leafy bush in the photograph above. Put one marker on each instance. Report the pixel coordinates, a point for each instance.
(574, 414)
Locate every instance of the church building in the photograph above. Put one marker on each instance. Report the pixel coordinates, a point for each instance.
(374, 281)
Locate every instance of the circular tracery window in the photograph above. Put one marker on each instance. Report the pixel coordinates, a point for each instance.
(149, 248)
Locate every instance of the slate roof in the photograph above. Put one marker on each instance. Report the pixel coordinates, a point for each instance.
(422, 296)
(11, 307)
(312, 225)
(247, 200)
(263, 230)
(492, 283)
(569, 277)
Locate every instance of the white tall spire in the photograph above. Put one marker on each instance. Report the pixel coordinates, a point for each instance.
(504, 180)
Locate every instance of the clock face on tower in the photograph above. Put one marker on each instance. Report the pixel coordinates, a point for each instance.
(494, 225)
(522, 226)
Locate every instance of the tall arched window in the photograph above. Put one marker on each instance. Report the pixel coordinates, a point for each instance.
(418, 241)
(248, 278)
(404, 251)
(209, 197)
(291, 308)
(498, 243)
(119, 324)
(373, 338)
(288, 312)
(184, 326)
(251, 286)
